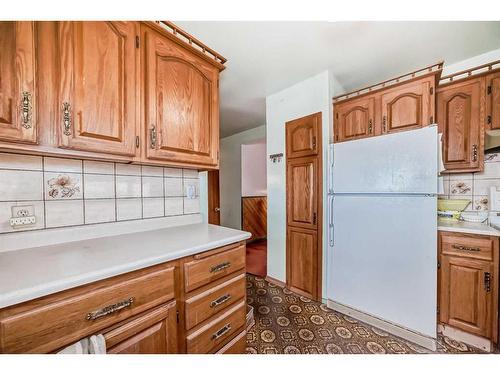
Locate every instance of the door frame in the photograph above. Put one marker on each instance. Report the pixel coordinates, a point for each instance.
(317, 295)
(213, 182)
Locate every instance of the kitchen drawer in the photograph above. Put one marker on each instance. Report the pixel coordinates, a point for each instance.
(212, 336)
(469, 246)
(236, 345)
(205, 270)
(208, 303)
(52, 322)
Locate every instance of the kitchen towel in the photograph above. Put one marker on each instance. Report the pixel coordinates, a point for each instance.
(441, 164)
(80, 347)
(97, 344)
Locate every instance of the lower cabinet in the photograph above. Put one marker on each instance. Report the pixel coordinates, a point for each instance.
(468, 287)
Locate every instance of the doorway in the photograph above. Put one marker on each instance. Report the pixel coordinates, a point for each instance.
(304, 206)
(254, 204)
(213, 197)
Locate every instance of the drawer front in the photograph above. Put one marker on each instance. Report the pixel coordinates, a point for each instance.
(208, 303)
(203, 271)
(469, 246)
(236, 345)
(55, 321)
(214, 335)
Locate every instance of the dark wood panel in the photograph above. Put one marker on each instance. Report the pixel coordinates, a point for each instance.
(254, 216)
(213, 198)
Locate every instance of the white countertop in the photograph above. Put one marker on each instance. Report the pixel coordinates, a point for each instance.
(465, 227)
(31, 273)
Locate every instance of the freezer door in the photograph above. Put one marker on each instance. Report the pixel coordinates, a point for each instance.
(384, 258)
(405, 162)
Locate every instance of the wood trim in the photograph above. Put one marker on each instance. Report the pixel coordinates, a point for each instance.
(272, 280)
(476, 71)
(434, 69)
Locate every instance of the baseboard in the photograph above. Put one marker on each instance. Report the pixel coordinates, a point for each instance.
(466, 337)
(417, 338)
(274, 281)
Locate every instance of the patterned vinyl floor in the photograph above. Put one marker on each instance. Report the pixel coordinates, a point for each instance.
(286, 323)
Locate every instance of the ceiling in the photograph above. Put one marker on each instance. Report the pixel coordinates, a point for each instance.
(266, 57)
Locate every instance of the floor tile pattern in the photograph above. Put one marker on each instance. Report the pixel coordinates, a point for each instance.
(286, 323)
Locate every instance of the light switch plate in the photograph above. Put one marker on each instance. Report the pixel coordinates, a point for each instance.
(22, 216)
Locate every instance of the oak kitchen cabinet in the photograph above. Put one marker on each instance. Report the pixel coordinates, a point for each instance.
(302, 136)
(468, 283)
(493, 100)
(140, 92)
(18, 121)
(402, 103)
(460, 114)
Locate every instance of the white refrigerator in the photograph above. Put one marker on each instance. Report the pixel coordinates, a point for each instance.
(382, 258)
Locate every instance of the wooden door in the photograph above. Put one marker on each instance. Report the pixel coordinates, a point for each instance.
(17, 82)
(304, 212)
(465, 297)
(302, 193)
(302, 266)
(213, 198)
(302, 136)
(181, 98)
(409, 106)
(459, 118)
(99, 96)
(254, 217)
(150, 333)
(354, 119)
(493, 100)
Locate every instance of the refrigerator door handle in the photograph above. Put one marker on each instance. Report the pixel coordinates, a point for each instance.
(330, 223)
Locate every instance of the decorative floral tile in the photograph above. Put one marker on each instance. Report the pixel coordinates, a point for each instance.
(461, 187)
(63, 186)
(492, 158)
(480, 203)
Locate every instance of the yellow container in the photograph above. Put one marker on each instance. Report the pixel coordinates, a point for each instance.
(453, 204)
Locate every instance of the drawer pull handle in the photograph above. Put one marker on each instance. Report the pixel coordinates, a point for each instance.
(110, 309)
(26, 109)
(466, 248)
(221, 332)
(220, 300)
(220, 267)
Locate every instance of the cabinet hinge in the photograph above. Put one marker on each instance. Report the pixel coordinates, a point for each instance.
(314, 218)
(217, 155)
(337, 116)
(137, 41)
(439, 265)
(314, 142)
(437, 310)
(177, 315)
(488, 119)
(432, 90)
(137, 142)
(432, 119)
(489, 90)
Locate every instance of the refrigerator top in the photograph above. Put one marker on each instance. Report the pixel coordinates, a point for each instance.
(399, 163)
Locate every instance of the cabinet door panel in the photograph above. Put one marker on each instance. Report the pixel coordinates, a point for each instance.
(355, 119)
(302, 178)
(302, 136)
(465, 302)
(302, 271)
(459, 117)
(181, 104)
(493, 100)
(17, 82)
(407, 107)
(99, 83)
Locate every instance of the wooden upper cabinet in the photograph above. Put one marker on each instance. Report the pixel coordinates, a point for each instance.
(181, 103)
(459, 114)
(355, 119)
(465, 301)
(17, 82)
(408, 106)
(302, 177)
(493, 100)
(98, 95)
(302, 136)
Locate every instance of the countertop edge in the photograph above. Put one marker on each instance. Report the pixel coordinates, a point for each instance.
(43, 290)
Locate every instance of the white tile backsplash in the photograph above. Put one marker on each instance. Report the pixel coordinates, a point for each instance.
(68, 192)
(191, 184)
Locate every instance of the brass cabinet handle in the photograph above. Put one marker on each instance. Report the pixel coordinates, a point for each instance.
(220, 267)
(370, 126)
(221, 332)
(66, 108)
(474, 152)
(110, 309)
(487, 281)
(26, 110)
(465, 248)
(152, 136)
(220, 300)
(384, 122)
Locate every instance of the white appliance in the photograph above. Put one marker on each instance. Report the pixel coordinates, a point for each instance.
(382, 258)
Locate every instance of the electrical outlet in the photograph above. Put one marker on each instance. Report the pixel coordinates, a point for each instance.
(191, 191)
(22, 216)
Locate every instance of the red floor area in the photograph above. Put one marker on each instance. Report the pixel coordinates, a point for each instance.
(257, 258)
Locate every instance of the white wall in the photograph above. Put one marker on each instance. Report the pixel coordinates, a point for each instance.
(253, 169)
(230, 174)
(309, 96)
(472, 62)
